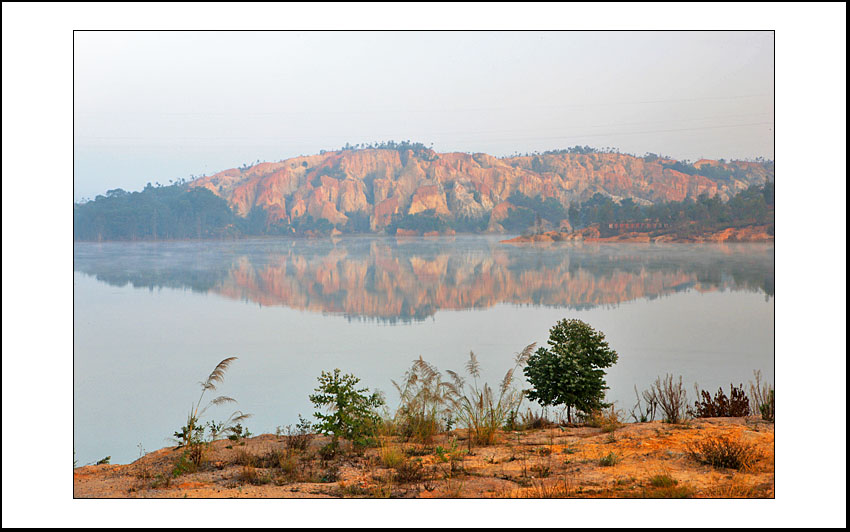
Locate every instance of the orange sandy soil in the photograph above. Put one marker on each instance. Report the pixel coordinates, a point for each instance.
(550, 462)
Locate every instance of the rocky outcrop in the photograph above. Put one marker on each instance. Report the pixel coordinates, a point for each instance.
(429, 198)
(387, 183)
(750, 233)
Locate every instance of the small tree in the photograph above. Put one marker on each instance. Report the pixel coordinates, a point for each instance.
(351, 412)
(571, 371)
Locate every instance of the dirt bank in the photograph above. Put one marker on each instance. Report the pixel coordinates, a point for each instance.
(647, 460)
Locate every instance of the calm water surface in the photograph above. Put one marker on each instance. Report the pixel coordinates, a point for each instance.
(151, 320)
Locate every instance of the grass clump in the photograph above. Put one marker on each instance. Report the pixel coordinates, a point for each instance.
(478, 408)
(662, 480)
(391, 457)
(409, 471)
(425, 407)
(725, 451)
(668, 492)
(762, 397)
(252, 475)
(608, 420)
(298, 438)
(609, 460)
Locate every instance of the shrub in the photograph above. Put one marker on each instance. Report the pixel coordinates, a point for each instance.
(300, 437)
(529, 420)
(351, 412)
(644, 413)
(721, 406)
(671, 398)
(245, 458)
(409, 471)
(477, 407)
(250, 475)
(725, 451)
(607, 420)
(571, 371)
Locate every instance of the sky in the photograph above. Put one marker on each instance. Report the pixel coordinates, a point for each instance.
(160, 106)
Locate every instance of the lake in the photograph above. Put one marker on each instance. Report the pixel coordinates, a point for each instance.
(152, 319)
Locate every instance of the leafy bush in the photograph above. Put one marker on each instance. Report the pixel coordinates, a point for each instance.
(571, 371)
(351, 412)
(721, 406)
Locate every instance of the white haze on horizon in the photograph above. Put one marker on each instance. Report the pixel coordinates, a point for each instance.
(157, 106)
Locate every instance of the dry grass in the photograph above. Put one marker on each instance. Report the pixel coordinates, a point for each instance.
(409, 471)
(662, 480)
(608, 420)
(478, 407)
(735, 488)
(667, 492)
(560, 489)
(391, 456)
(762, 397)
(609, 460)
(725, 451)
(425, 403)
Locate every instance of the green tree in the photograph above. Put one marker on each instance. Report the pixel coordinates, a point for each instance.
(350, 413)
(571, 371)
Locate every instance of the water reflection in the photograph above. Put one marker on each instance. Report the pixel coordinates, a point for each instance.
(391, 280)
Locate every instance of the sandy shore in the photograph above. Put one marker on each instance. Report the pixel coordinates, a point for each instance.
(646, 460)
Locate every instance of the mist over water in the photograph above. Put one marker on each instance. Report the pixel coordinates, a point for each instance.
(151, 320)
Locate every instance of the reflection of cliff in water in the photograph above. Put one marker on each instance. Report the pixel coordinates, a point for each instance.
(412, 279)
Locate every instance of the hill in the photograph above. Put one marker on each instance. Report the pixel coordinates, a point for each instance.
(410, 189)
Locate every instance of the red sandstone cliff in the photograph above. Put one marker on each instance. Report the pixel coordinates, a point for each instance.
(381, 183)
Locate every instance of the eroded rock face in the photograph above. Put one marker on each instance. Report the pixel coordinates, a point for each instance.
(384, 183)
(429, 198)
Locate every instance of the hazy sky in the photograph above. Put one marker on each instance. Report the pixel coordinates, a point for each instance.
(155, 106)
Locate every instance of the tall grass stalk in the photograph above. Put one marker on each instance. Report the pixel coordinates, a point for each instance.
(762, 397)
(425, 402)
(477, 407)
(191, 435)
